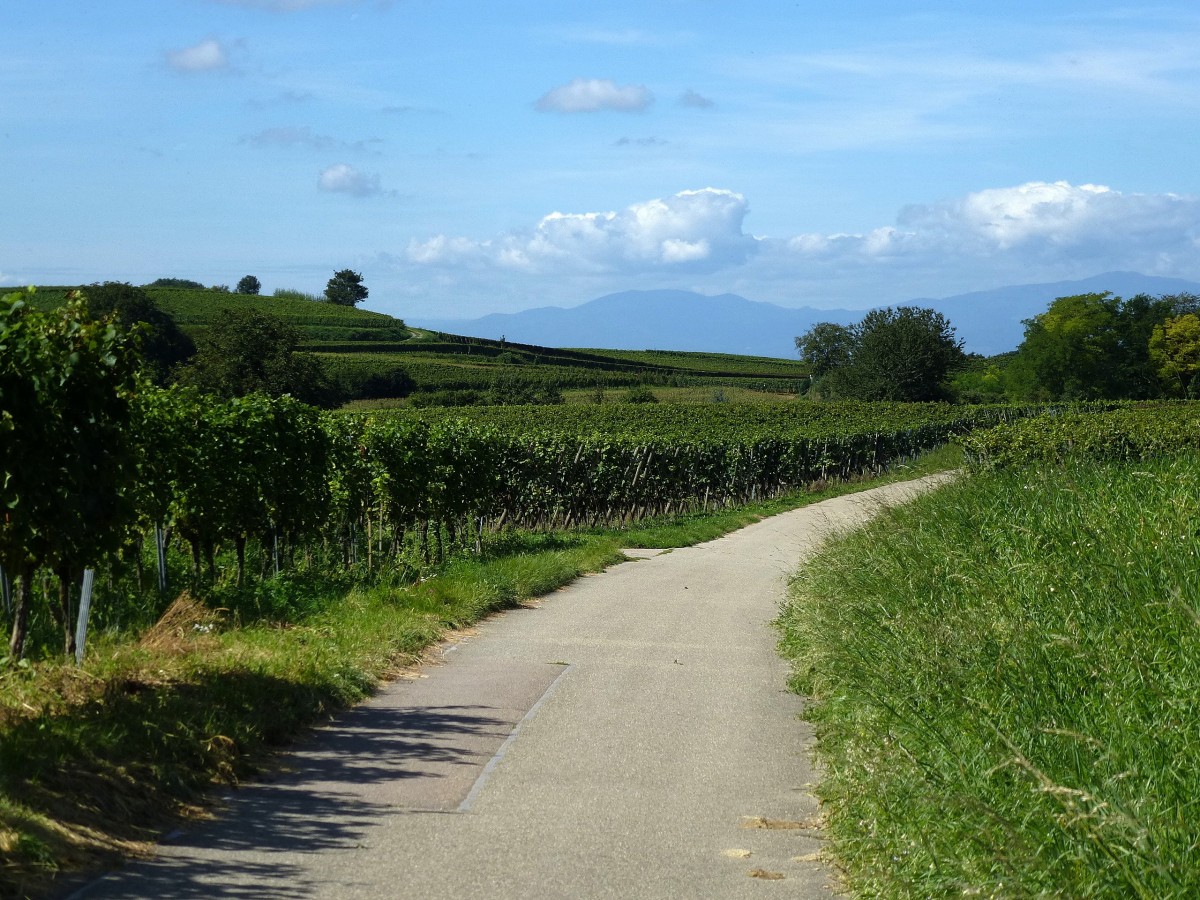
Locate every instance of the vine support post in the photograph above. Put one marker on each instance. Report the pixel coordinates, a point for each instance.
(6, 592)
(160, 544)
(85, 609)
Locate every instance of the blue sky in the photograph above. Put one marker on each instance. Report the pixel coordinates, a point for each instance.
(484, 157)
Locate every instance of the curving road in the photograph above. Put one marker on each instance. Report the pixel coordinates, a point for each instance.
(629, 736)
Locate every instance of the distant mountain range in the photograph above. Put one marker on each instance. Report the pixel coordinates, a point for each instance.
(989, 322)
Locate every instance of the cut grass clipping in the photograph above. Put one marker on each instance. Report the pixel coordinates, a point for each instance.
(96, 762)
(1008, 683)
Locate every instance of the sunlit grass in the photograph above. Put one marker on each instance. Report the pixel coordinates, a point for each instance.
(1008, 675)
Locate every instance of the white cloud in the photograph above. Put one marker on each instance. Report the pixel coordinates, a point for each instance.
(342, 178)
(1057, 217)
(1034, 232)
(209, 55)
(594, 94)
(692, 229)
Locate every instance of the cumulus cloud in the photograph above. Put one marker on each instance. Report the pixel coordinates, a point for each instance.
(209, 55)
(1035, 232)
(342, 178)
(1038, 231)
(1059, 215)
(695, 101)
(697, 229)
(595, 94)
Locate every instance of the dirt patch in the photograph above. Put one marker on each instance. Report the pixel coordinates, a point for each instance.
(766, 875)
(778, 824)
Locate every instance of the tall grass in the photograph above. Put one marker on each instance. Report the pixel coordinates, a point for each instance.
(1008, 684)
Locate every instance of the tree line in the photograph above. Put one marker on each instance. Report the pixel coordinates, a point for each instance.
(1083, 347)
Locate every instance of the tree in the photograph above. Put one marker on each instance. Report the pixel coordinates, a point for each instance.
(1174, 349)
(826, 347)
(904, 354)
(164, 345)
(345, 288)
(249, 285)
(1093, 346)
(177, 283)
(247, 351)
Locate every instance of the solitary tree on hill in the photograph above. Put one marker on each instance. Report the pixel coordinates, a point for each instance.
(345, 288)
(249, 285)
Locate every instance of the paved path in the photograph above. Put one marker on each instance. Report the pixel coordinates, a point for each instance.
(619, 739)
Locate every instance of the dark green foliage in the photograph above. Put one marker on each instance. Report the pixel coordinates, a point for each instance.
(901, 354)
(177, 283)
(640, 394)
(1093, 346)
(245, 352)
(345, 288)
(828, 346)
(447, 398)
(509, 389)
(249, 285)
(68, 446)
(980, 379)
(163, 344)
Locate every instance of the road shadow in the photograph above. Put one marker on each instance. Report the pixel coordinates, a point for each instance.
(324, 795)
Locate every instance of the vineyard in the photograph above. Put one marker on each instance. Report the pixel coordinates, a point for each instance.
(96, 461)
(278, 480)
(1126, 433)
(370, 355)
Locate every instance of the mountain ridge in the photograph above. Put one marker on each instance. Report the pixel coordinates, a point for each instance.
(988, 321)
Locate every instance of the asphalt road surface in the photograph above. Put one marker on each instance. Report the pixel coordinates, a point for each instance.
(629, 736)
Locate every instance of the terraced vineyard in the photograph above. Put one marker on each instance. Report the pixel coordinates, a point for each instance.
(372, 355)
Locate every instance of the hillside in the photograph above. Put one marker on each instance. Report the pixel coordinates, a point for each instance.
(375, 356)
(194, 310)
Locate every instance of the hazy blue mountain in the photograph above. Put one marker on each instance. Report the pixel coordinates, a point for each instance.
(989, 322)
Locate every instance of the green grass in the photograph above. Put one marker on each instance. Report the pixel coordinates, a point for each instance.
(96, 762)
(195, 310)
(722, 363)
(1008, 683)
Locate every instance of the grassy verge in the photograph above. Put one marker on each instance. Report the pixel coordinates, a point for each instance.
(96, 762)
(1008, 684)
